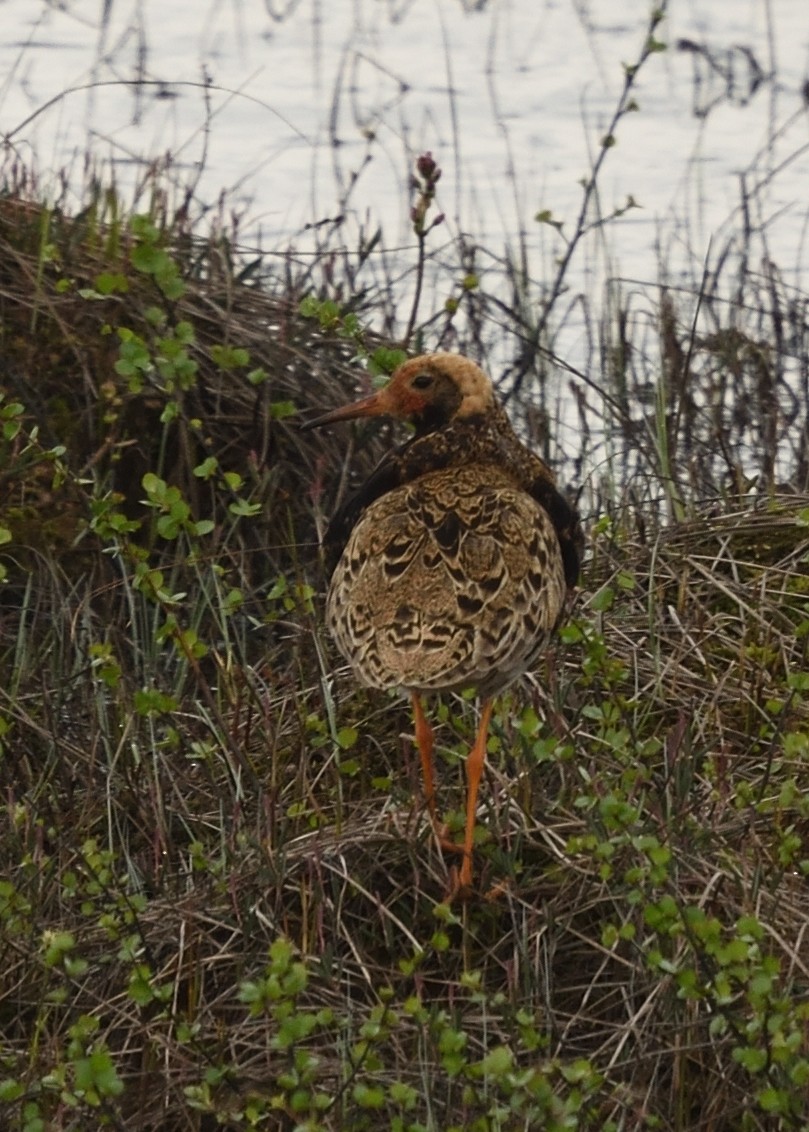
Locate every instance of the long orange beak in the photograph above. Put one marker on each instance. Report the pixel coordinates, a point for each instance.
(374, 406)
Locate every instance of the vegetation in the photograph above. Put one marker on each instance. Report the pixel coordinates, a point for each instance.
(221, 905)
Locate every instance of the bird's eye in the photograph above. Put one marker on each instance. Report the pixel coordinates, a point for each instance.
(423, 381)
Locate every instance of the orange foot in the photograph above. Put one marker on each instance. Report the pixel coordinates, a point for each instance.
(461, 887)
(460, 881)
(445, 842)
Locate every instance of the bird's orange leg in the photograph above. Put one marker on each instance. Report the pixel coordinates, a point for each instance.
(474, 770)
(425, 743)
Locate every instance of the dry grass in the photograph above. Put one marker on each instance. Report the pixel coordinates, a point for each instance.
(221, 904)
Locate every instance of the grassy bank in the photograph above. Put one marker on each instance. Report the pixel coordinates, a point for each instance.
(220, 901)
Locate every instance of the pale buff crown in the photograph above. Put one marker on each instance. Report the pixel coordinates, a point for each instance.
(475, 387)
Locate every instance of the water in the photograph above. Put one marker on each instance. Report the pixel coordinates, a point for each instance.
(511, 97)
(303, 111)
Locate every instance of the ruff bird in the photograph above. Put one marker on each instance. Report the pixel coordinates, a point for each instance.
(450, 567)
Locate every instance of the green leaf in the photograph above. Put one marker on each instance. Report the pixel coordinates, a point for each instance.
(230, 357)
(111, 283)
(149, 701)
(749, 926)
(168, 527)
(206, 469)
(403, 1095)
(498, 1062)
(280, 410)
(98, 1072)
(774, 1100)
(10, 1090)
(171, 284)
(385, 360)
(753, 1060)
(347, 737)
(57, 945)
(153, 485)
(308, 307)
(369, 1096)
(147, 258)
(602, 600)
(243, 509)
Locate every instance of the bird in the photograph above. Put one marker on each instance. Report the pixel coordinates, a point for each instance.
(451, 566)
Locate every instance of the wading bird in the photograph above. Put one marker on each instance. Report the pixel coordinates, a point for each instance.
(451, 564)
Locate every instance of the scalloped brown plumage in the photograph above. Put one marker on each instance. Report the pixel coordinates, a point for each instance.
(450, 566)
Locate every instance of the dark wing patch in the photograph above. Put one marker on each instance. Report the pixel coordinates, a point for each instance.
(384, 478)
(566, 523)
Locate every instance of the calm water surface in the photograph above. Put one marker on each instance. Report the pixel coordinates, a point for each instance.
(301, 110)
(510, 95)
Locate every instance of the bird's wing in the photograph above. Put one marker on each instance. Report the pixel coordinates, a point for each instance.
(384, 478)
(566, 523)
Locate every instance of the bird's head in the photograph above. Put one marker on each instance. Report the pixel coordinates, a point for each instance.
(430, 391)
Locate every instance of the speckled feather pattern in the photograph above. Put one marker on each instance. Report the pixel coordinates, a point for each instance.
(452, 563)
(451, 581)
